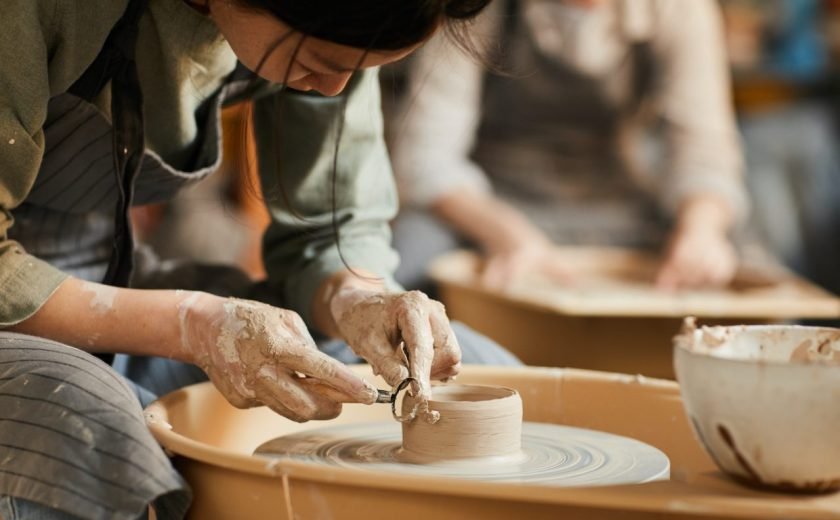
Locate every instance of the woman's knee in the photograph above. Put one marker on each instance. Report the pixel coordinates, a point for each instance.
(36, 373)
(67, 419)
(12, 508)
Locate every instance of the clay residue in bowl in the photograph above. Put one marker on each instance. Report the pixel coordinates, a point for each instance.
(762, 343)
(819, 349)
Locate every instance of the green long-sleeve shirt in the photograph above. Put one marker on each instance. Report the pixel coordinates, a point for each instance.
(45, 45)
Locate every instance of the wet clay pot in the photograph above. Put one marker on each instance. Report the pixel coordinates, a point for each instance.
(765, 402)
(476, 421)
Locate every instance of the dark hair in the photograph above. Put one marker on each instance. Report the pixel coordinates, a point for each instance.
(370, 24)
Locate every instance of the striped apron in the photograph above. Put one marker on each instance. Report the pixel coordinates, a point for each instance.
(73, 442)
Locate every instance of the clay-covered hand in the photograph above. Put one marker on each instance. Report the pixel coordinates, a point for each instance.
(697, 256)
(399, 334)
(256, 354)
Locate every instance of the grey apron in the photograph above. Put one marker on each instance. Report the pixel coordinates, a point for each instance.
(550, 142)
(68, 217)
(72, 436)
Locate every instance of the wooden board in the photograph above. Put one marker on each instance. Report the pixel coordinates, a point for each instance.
(619, 282)
(612, 318)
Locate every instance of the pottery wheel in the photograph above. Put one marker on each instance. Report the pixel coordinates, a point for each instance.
(551, 455)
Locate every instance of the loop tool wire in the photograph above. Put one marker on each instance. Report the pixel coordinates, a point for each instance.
(390, 396)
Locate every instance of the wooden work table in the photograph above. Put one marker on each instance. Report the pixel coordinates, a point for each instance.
(610, 316)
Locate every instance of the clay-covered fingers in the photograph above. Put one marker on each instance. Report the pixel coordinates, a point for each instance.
(316, 386)
(305, 358)
(383, 353)
(284, 393)
(447, 353)
(416, 331)
(311, 362)
(400, 334)
(225, 386)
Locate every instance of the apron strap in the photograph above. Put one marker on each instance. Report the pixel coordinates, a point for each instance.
(116, 63)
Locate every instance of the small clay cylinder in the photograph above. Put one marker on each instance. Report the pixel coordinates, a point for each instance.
(475, 421)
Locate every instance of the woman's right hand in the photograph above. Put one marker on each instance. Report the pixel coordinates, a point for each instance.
(257, 354)
(508, 260)
(512, 244)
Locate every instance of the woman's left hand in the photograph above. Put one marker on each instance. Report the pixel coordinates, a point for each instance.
(401, 335)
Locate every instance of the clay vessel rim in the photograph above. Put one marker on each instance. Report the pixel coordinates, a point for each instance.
(795, 364)
(446, 395)
(712, 353)
(483, 398)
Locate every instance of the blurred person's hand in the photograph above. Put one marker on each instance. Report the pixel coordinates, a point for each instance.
(513, 246)
(256, 354)
(509, 258)
(699, 252)
(401, 334)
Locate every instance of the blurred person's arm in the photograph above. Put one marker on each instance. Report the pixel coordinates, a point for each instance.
(434, 135)
(704, 188)
(435, 129)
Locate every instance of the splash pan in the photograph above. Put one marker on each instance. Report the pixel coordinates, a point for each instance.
(213, 443)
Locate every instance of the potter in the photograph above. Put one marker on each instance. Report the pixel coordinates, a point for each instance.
(107, 105)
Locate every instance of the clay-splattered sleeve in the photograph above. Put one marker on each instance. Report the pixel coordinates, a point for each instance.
(44, 47)
(436, 127)
(704, 146)
(296, 138)
(25, 282)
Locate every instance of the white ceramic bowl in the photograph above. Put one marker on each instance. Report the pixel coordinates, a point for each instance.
(765, 401)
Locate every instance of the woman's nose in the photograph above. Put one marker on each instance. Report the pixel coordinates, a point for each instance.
(332, 84)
